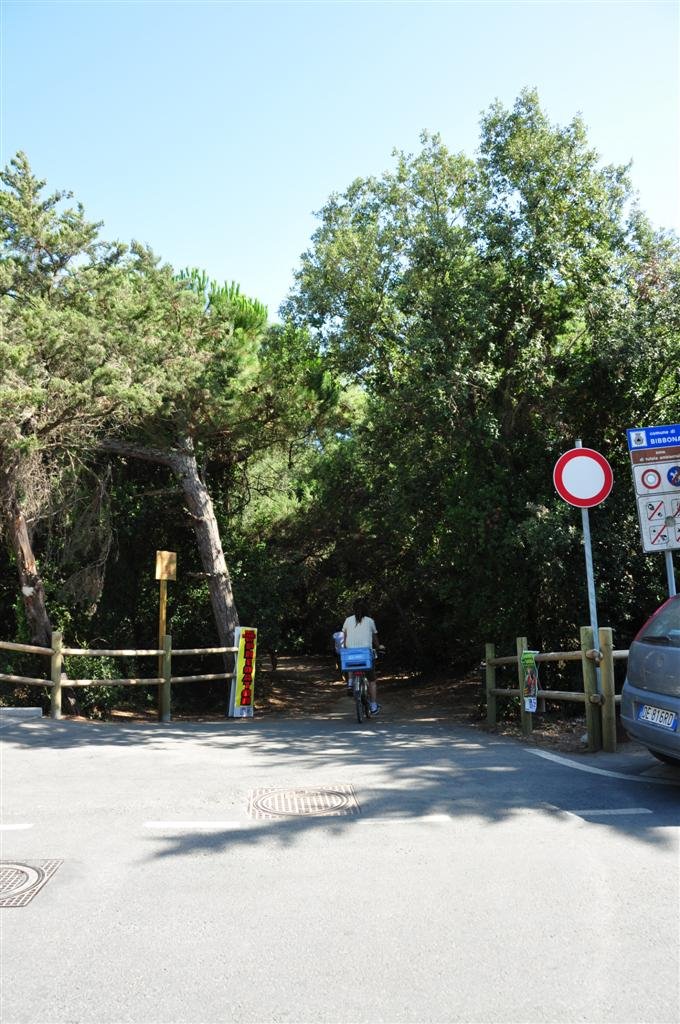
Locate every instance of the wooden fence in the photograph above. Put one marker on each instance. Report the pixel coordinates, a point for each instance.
(58, 680)
(600, 705)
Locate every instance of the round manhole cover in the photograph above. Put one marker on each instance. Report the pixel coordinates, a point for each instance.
(20, 882)
(321, 801)
(15, 879)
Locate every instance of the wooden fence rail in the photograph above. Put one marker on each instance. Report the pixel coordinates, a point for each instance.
(58, 679)
(599, 701)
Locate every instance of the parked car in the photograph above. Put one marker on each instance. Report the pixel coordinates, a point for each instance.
(650, 702)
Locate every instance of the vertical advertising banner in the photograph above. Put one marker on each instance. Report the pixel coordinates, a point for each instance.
(530, 685)
(242, 699)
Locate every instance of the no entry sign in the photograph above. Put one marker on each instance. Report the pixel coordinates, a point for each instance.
(583, 477)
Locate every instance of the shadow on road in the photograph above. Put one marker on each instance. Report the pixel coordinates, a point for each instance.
(399, 770)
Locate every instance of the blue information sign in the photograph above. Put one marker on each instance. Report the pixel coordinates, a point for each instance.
(640, 438)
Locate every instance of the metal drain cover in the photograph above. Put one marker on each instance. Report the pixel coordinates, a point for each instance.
(315, 802)
(20, 882)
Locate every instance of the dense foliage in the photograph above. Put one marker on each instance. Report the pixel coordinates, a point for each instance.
(455, 325)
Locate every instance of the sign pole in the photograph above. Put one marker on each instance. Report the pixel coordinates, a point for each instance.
(670, 573)
(166, 569)
(590, 577)
(162, 628)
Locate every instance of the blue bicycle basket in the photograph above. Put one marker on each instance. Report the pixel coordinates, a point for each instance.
(356, 658)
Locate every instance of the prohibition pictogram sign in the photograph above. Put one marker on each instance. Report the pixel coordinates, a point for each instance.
(655, 510)
(658, 535)
(583, 477)
(651, 479)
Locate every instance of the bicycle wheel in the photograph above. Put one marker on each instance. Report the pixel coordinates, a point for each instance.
(366, 701)
(359, 699)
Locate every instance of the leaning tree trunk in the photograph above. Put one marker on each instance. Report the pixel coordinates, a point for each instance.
(183, 464)
(30, 582)
(200, 507)
(33, 591)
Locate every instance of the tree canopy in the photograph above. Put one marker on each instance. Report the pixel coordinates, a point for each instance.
(455, 325)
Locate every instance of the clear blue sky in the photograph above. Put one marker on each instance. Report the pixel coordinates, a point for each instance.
(213, 131)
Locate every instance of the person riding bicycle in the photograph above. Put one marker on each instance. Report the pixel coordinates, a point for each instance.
(360, 631)
(338, 644)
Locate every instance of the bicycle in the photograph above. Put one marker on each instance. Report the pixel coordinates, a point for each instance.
(357, 662)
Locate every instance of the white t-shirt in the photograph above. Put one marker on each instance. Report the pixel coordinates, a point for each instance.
(359, 634)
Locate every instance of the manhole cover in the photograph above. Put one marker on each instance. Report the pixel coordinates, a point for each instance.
(20, 882)
(319, 801)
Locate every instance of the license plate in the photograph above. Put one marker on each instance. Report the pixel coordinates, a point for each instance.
(657, 716)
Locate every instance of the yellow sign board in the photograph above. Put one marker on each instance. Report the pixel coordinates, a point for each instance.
(243, 686)
(166, 565)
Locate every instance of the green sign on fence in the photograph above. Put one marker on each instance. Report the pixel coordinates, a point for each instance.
(530, 683)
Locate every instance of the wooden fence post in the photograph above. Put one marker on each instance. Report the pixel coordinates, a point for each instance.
(165, 703)
(593, 714)
(608, 690)
(527, 723)
(490, 685)
(56, 666)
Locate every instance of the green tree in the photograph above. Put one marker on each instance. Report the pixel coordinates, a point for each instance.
(106, 351)
(492, 310)
(79, 353)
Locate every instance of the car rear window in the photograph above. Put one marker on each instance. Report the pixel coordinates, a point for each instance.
(664, 627)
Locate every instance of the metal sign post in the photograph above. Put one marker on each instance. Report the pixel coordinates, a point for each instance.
(590, 579)
(671, 523)
(584, 478)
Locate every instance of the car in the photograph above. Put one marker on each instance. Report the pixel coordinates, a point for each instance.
(650, 701)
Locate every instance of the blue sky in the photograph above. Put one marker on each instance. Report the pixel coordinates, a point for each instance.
(213, 131)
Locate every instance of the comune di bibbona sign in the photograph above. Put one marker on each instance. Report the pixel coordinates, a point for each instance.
(655, 461)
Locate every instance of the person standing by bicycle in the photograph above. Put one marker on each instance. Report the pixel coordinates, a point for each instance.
(360, 630)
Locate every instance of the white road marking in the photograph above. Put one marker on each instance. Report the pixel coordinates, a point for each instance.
(404, 821)
(217, 826)
(13, 828)
(613, 810)
(602, 771)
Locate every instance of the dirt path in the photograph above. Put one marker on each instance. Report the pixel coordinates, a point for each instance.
(312, 687)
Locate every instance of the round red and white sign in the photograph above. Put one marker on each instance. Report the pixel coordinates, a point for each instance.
(651, 479)
(583, 477)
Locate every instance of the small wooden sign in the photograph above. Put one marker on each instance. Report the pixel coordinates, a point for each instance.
(166, 565)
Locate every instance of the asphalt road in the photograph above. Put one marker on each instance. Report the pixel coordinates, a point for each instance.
(476, 880)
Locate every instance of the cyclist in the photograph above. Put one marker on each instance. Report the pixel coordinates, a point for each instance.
(360, 630)
(338, 643)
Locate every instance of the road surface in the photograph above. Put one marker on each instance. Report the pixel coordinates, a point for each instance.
(468, 878)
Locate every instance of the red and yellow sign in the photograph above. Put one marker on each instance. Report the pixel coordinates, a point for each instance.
(244, 691)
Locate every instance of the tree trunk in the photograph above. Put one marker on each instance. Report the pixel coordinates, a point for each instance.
(207, 532)
(33, 591)
(183, 464)
(32, 588)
